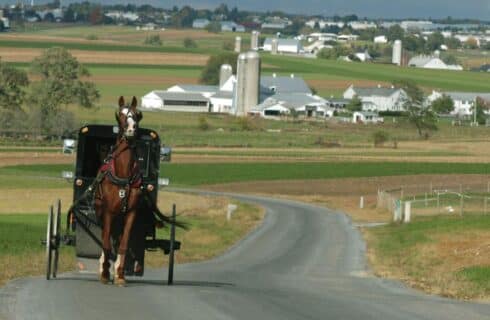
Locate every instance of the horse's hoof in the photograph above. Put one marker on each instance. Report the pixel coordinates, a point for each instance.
(120, 282)
(104, 280)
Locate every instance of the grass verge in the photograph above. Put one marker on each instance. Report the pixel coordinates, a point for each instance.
(210, 234)
(444, 255)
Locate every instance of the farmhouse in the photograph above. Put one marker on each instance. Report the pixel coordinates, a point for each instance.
(431, 62)
(378, 98)
(305, 104)
(284, 45)
(463, 101)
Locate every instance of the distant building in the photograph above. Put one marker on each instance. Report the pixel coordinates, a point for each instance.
(363, 56)
(463, 101)
(366, 117)
(284, 45)
(200, 23)
(347, 37)
(119, 16)
(275, 23)
(380, 39)
(305, 104)
(378, 98)
(231, 26)
(431, 62)
(362, 25)
(175, 101)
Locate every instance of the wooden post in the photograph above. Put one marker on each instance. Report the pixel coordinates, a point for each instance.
(438, 209)
(485, 205)
(461, 204)
(407, 212)
(426, 199)
(171, 251)
(361, 202)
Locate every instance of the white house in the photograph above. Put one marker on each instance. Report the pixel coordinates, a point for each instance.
(284, 45)
(431, 62)
(366, 117)
(463, 101)
(200, 23)
(231, 26)
(380, 39)
(347, 37)
(175, 101)
(378, 98)
(305, 104)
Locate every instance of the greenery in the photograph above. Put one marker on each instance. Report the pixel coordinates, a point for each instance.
(214, 27)
(153, 40)
(189, 43)
(355, 104)
(481, 106)
(60, 85)
(422, 117)
(210, 73)
(13, 83)
(380, 137)
(443, 105)
(203, 123)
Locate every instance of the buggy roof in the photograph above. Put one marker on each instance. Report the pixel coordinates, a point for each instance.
(108, 131)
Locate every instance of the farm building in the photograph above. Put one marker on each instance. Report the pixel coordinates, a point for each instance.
(231, 26)
(380, 39)
(366, 117)
(378, 98)
(431, 62)
(175, 101)
(200, 23)
(305, 104)
(284, 45)
(463, 101)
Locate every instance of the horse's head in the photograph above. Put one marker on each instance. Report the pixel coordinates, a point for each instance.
(128, 118)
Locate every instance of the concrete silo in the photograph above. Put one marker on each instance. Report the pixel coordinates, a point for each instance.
(274, 45)
(225, 73)
(254, 40)
(397, 53)
(248, 81)
(238, 44)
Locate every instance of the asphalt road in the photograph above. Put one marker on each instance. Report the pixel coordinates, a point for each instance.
(304, 262)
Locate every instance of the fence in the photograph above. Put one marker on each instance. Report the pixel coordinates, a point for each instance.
(406, 202)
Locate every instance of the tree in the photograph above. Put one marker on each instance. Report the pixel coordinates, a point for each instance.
(214, 27)
(452, 43)
(443, 104)
(471, 43)
(153, 40)
(434, 41)
(450, 59)
(422, 117)
(380, 137)
(60, 86)
(12, 85)
(354, 105)
(96, 15)
(210, 73)
(481, 106)
(395, 32)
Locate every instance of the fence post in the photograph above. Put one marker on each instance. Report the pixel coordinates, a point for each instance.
(438, 209)
(401, 192)
(461, 203)
(407, 212)
(426, 199)
(488, 187)
(431, 187)
(361, 203)
(485, 205)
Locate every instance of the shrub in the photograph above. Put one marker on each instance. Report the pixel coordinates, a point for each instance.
(153, 40)
(203, 123)
(380, 137)
(92, 37)
(189, 43)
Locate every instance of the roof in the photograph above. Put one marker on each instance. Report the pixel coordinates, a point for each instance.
(284, 84)
(187, 96)
(468, 96)
(223, 95)
(290, 100)
(374, 91)
(197, 88)
(283, 42)
(420, 61)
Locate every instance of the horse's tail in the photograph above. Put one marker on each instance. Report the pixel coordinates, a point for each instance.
(162, 217)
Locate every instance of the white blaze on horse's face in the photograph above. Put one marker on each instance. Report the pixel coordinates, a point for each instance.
(130, 129)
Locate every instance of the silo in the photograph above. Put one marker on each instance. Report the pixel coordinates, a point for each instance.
(397, 52)
(225, 73)
(248, 82)
(274, 45)
(254, 40)
(238, 44)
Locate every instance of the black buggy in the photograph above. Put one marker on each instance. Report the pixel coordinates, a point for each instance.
(83, 229)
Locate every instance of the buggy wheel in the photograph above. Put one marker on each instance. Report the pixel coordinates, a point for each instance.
(56, 238)
(49, 235)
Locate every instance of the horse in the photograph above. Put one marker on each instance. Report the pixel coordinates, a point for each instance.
(118, 193)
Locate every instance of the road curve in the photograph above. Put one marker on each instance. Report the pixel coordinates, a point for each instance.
(303, 262)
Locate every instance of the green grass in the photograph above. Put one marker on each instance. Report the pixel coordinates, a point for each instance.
(477, 275)
(214, 173)
(21, 234)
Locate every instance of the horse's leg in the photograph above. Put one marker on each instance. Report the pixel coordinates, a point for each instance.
(105, 264)
(123, 247)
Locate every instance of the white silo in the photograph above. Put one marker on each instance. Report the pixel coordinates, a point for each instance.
(254, 40)
(225, 73)
(397, 53)
(238, 44)
(274, 45)
(248, 81)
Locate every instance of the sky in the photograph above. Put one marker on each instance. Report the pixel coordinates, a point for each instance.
(479, 9)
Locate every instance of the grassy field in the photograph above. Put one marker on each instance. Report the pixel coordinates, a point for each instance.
(195, 174)
(445, 255)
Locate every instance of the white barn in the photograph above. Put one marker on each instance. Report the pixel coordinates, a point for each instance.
(431, 62)
(175, 101)
(284, 45)
(463, 101)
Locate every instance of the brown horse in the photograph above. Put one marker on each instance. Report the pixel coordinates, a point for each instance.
(118, 194)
